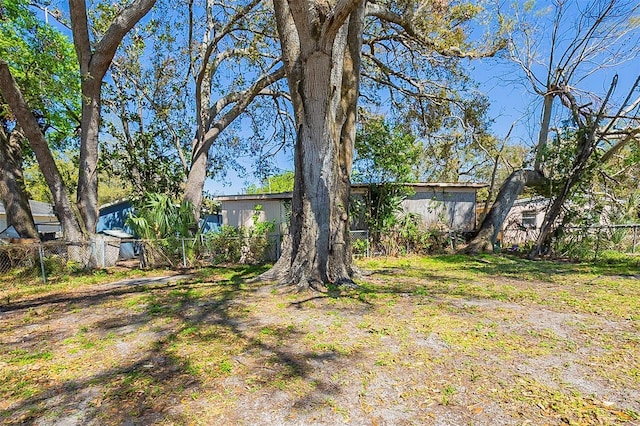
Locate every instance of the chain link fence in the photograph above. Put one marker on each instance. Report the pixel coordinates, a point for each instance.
(587, 242)
(360, 243)
(593, 241)
(210, 249)
(422, 242)
(50, 257)
(103, 251)
(53, 257)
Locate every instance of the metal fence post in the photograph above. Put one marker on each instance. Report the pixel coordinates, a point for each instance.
(368, 246)
(41, 255)
(184, 255)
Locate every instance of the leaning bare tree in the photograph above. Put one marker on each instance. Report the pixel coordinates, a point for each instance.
(585, 40)
(595, 129)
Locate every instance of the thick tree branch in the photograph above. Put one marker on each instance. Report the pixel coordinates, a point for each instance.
(335, 21)
(243, 99)
(633, 135)
(106, 48)
(80, 29)
(96, 64)
(212, 44)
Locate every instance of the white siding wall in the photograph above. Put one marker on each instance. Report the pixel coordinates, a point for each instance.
(44, 223)
(513, 230)
(450, 206)
(240, 212)
(453, 207)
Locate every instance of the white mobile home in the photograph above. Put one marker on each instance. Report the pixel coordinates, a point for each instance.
(449, 204)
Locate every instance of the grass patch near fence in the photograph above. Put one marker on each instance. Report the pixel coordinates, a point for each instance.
(19, 284)
(453, 339)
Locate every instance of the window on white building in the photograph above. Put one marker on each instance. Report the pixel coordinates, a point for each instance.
(529, 219)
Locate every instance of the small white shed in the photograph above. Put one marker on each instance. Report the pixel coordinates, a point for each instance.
(239, 210)
(450, 204)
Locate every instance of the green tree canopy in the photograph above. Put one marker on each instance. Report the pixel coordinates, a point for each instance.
(282, 182)
(385, 152)
(40, 101)
(43, 62)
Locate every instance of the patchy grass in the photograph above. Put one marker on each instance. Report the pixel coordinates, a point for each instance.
(600, 288)
(448, 340)
(20, 285)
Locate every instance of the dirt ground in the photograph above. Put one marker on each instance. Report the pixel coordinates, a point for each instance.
(402, 350)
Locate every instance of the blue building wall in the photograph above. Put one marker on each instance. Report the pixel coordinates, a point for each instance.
(114, 216)
(210, 223)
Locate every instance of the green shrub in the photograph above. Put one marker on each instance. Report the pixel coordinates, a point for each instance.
(168, 229)
(247, 245)
(225, 246)
(256, 243)
(360, 247)
(57, 265)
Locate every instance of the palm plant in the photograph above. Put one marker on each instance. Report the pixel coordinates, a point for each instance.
(165, 226)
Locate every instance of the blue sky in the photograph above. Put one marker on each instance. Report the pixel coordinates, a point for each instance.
(512, 99)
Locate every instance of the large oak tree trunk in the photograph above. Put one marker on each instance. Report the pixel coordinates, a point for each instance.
(196, 178)
(321, 55)
(12, 190)
(509, 192)
(341, 266)
(29, 125)
(317, 179)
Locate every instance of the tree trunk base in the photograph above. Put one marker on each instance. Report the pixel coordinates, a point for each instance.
(478, 247)
(301, 277)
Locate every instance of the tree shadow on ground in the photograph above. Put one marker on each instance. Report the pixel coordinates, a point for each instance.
(146, 384)
(95, 294)
(428, 285)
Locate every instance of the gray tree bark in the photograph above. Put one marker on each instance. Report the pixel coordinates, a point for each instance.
(586, 147)
(509, 192)
(211, 129)
(13, 193)
(512, 187)
(321, 51)
(589, 134)
(94, 62)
